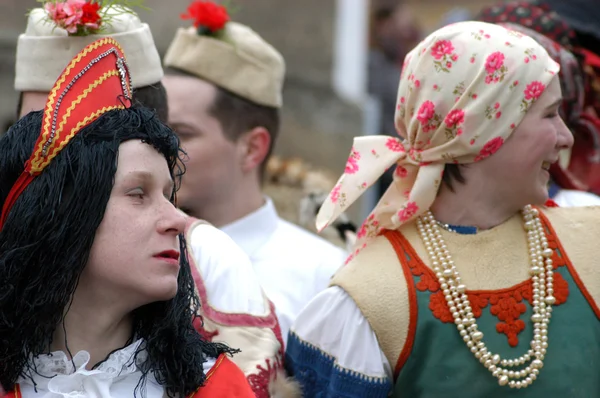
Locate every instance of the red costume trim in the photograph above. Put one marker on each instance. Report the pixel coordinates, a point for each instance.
(402, 247)
(224, 380)
(15, 393)
(225, 318)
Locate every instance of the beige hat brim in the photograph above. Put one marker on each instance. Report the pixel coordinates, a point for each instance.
(221, 63)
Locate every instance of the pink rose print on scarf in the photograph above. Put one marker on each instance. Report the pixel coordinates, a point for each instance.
(416, 154)
(443, 52)
(480, 35)
(394, 145)
(513, 85)
(530, 55)
(401, 107)
(336, 196)
(429, 120)
(459, 89)
(352, 255)
(489, 148)
(408, 211)
(532, 92)
(453, 122)
(494, 111)
(369, 228)
(400, 171)
(495, 68)
(335, 193)
(352, 164)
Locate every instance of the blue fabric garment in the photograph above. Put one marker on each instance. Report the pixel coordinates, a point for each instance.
(553, 190)
(463, 230)
(320, 377)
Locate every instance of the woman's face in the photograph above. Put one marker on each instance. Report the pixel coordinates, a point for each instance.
(518, 171)
(135, 255)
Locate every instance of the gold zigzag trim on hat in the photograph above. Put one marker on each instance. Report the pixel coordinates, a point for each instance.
(39, 166)
(58, 84)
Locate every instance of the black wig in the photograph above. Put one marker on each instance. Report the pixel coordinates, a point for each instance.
(46, 241)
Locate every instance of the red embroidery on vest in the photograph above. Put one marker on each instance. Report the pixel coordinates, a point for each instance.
(505, 304)
(259, 382)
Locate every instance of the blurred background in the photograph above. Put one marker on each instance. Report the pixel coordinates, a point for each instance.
(343, 59)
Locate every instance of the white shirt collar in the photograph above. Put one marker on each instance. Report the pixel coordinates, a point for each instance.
(56, 372)
(253, 230)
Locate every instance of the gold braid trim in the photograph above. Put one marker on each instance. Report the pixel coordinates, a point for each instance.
(76, 129)
(76, 102)
(52, 96)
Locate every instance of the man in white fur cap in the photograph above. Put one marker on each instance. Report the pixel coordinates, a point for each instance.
(46, 47)
(224, 84)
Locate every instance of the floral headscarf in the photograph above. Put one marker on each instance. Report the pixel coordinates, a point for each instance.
(463, 91)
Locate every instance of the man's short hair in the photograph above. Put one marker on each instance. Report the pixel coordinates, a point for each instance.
(153, 97)
(238, 115)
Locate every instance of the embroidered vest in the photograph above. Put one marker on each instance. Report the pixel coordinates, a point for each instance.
(258, 337)
(421, 341)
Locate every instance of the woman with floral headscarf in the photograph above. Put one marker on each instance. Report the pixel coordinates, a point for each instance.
(462, 265)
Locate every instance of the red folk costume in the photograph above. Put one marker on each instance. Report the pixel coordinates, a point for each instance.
(95, 82)
(223, 380)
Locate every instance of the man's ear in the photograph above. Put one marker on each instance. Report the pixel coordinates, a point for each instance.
(255, 145)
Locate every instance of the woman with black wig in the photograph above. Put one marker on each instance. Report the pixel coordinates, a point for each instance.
(95, 287)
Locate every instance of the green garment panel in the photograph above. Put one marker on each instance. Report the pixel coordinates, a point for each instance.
(441, 365)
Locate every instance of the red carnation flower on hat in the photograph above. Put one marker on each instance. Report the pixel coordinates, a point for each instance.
(78, 17)
(90, 16)
(207, 15)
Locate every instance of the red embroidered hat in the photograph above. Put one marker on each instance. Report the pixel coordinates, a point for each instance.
(96, 81)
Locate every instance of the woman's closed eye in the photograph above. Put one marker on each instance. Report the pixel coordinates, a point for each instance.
(137, 193)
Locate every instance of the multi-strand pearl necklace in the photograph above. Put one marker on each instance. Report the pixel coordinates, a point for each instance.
(455, 293)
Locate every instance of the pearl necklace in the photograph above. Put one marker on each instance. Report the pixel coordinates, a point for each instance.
(455, 293)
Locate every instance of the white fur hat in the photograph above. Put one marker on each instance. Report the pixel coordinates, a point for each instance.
(45, 49)
(239, 61)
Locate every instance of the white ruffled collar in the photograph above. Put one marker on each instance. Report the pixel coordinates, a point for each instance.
(56, 373)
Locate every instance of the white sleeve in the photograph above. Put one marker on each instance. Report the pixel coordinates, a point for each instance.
(333, 323)
(572, 198)
(333, 352)
(230, 281)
